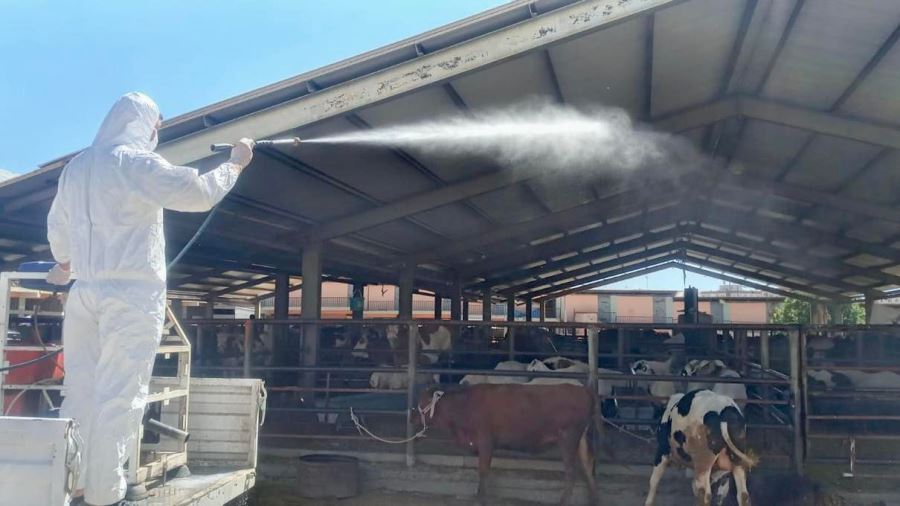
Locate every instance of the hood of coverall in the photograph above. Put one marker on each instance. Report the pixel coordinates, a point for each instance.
(130, 122)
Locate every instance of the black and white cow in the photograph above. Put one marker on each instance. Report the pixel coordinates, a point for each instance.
(706, 432)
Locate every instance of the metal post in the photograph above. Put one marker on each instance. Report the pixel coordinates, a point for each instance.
(456, 301)
(486, 314)
(593, 345)
(528, 309)
(764, 349)
(207, 334)
(411, 397)
(869, 306)
(281, 311)
(542, 310)
(797, 396)
(249, 328)
(622, 348)
(510, 330)
(804, 392)
(4, 328)
(465, 310)
(407, 279)
(438, 310)
(311, 308)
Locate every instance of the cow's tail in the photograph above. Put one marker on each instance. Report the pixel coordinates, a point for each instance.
(748, 461)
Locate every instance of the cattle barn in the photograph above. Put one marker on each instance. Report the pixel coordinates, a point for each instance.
(794, 103)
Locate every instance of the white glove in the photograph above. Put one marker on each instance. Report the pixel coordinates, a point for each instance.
(59, 276)
(242, 152)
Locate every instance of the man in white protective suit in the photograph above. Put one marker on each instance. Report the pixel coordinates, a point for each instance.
(106, 227)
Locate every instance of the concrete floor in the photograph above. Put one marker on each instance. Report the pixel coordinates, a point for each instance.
(280, 494)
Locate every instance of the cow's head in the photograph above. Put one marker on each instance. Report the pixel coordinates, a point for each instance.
(537, 365)
(821, 377)
(368, 337)
(642, 367)
(558, 362)
(424, 412)
(703, 368)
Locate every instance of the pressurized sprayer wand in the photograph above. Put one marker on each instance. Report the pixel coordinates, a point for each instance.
(293, 141)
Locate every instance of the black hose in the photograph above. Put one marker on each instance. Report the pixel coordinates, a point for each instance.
(193, 239)
(30, 362)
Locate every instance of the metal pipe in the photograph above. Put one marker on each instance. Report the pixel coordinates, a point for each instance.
(162, 429)
(293, 141)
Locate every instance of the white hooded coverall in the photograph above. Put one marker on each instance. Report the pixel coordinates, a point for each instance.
(107, 220)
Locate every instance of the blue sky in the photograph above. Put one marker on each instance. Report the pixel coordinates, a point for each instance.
(64, 63)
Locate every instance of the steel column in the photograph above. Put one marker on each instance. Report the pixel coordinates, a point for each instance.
(311, 308)
(438, 310)
(407, 279)
(456, 301)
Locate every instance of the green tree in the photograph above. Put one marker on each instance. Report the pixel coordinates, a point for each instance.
(853, 314)
(796, 311)
(792, 311)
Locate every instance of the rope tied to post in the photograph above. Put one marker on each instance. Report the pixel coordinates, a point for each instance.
(427, 410)
(628, 432)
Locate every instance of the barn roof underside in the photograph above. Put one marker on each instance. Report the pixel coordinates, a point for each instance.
(796, 100)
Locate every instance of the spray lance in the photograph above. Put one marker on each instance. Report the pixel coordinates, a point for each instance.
(292, 141)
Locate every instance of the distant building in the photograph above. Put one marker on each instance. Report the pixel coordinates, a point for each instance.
(728, 304)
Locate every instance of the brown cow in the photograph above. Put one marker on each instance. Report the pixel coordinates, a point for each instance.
(518, 417)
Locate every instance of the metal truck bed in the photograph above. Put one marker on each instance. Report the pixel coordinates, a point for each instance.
(206, 488)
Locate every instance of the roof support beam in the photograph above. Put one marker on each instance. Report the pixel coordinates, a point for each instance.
(650, 30)
(763, 277)
(589, 270)
(420, 167)
(793, 255)
(761, 226)
(761, 265)
(610, 280)
(791, 287)
(579, 259)
(572, 242)
(618, 198)
(421, 202)
(820, 122)
(783, 114)
(29, 199)
(816, 197)
(498, 46)
(242, 286)
(309, 170)
(544, 293)
(745, 282)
